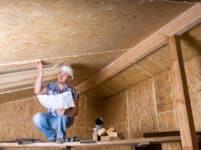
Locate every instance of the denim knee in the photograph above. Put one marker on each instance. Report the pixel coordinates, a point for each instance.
(37, 119)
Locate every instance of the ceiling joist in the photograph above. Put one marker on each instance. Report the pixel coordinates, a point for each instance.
(179, 25)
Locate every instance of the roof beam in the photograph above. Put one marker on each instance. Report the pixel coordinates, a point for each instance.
(178, 26)
(24, 78)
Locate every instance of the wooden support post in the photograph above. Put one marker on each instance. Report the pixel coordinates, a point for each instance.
(181, 96)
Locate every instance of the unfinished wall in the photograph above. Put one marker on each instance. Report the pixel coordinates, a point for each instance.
(140, 97)
(132, 112)
(149, 96)
(16, 119)
(46, 29)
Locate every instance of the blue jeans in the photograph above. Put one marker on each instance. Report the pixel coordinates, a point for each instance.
(53, 126)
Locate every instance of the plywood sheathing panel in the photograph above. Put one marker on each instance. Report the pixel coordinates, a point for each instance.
(94, 105)
(80, 63)
(193, 70)
(167, 121)
(16, 118)
(84, 66)
(150, 66)
(115, 113)
(42, 29)
(190, 43)
(163, 92)
(142, 117)
(162, 58)
(17, 115)
(79, 128)
(144, 69)
(123, 80)
(171, 146)
(17, 95)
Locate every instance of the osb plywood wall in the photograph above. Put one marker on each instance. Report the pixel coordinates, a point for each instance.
(145, 102)
(45, 29)
(85, 34)
(16, 119)
(139, 99)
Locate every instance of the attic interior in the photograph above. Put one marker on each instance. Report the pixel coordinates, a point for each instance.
(135, 97)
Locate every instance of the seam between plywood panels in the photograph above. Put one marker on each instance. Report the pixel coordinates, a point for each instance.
(85, 110)
(149, 74)
(155, 62)
(60, 58)
(155, 103)
(20, 100)
(128, 119)
(172, 96)
(153, 95)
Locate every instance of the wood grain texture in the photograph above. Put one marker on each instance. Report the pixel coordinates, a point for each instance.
(16, 117)
(172, 146)
(115, 113)
(168, 121)
(179, 25)
(98, 144)
(84, 67)
(142, 117)
(163, 92)
(181, 96)
(193, 71)
(45, 29)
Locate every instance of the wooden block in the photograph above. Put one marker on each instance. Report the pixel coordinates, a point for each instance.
(101, 132)
(111, 129)
(113, 134)
(113, 138)
(105, 138)
(95, 136)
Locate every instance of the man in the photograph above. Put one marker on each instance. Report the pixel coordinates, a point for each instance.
(54, 123)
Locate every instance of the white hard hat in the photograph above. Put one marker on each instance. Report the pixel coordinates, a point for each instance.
(66, 69)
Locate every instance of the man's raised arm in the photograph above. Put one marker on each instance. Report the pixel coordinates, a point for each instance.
(39, 89)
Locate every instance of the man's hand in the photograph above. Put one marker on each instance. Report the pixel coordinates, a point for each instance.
(61, 111)
(71, 112)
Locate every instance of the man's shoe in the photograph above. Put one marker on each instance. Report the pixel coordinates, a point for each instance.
(60, 140)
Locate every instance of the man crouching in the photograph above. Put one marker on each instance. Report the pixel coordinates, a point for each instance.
(54, 123)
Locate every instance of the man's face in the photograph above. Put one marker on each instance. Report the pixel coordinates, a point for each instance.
(62, 77)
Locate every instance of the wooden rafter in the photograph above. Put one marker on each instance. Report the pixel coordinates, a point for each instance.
(179, 25)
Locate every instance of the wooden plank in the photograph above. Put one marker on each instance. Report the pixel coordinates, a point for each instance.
(163, 134)
(102, 143)
(24, 78)
(24, 73)
(181, 96)
(182, 23)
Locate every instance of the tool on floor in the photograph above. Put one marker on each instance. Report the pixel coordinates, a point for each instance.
(71, 139)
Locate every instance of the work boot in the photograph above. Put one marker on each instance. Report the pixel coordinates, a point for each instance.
(60, 140)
